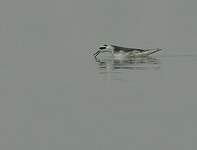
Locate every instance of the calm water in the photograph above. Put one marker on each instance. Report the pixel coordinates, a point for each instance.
(54, 95)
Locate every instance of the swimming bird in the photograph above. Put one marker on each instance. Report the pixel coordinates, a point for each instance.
(124, 52)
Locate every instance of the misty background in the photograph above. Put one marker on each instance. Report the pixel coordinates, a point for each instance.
(53, 95)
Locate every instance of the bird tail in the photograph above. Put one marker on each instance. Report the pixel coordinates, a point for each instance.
(151, 51)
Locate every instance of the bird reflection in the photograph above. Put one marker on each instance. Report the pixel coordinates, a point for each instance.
(108, 65)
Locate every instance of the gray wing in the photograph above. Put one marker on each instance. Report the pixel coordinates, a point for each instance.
(126, 49)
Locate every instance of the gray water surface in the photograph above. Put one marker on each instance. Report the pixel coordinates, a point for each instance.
(54, 95)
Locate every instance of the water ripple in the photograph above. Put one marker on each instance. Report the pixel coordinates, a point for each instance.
(112, 65)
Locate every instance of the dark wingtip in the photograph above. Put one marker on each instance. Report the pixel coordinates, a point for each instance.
(159, 49)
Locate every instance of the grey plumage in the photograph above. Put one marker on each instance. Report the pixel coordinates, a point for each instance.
(125, 51)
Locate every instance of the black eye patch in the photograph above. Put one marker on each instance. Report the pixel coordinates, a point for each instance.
(102, 47)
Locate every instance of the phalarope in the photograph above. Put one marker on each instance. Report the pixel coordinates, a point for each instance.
(124, 52)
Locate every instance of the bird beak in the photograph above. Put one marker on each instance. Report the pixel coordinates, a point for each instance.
(95, 54)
